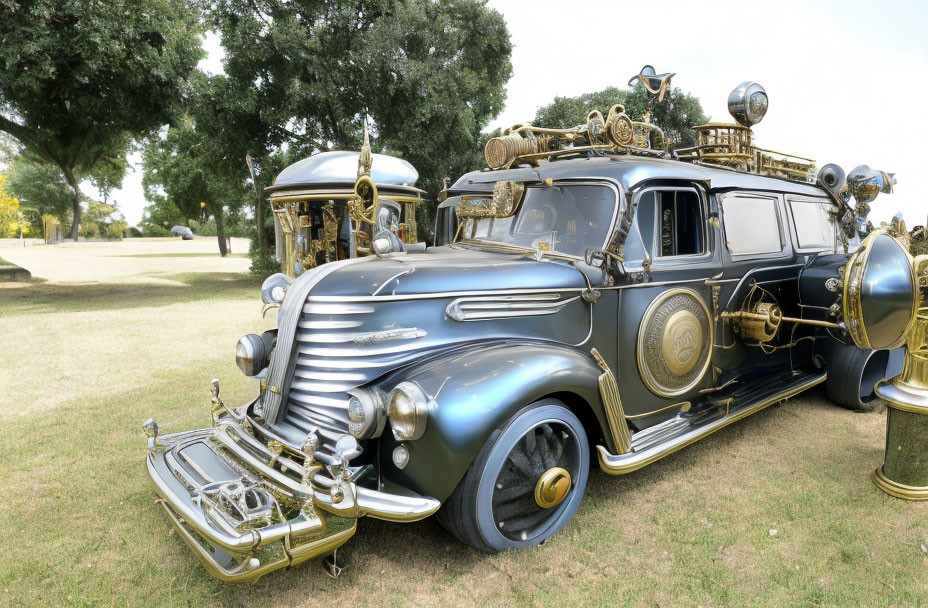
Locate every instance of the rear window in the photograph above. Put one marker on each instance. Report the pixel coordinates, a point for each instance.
(815, 225)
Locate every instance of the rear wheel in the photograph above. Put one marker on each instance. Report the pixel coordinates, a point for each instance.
(526, 482)
(852, 374)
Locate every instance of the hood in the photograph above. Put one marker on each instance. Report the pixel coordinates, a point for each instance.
(447, 269)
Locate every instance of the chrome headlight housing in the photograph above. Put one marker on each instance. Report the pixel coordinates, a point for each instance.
(408, 411)
(367, 412)
(253, 352)
(275, 288)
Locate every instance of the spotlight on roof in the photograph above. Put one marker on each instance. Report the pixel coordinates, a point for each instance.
(748, 103)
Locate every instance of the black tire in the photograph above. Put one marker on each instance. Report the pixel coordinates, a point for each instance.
(852, 374)
(499, 486)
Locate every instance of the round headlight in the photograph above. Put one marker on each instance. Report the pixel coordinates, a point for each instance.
(251, 354)
(366, 413)
(408, 411)
(274, 288)
(880, 293)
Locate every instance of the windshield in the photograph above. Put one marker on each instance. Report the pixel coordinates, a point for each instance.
(565, 219)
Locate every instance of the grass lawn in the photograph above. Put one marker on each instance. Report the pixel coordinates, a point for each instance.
(774, 510)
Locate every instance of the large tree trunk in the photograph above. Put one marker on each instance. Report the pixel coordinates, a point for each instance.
(220, 233)
(76, 204)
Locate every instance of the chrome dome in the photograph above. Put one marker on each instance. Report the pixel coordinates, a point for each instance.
(341, 167)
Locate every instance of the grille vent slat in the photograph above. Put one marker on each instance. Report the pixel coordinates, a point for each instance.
(340, 347)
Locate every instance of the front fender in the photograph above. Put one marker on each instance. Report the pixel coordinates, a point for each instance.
(475, 392)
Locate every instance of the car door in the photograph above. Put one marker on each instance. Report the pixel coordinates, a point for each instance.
(665, 314)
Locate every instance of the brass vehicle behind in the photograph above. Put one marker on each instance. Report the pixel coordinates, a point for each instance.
(324, 207)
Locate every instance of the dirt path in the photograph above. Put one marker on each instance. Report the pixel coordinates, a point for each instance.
(129, 260)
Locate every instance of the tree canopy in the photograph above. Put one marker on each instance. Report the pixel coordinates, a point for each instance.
(79, 78)
(301, 77)
(676, 115)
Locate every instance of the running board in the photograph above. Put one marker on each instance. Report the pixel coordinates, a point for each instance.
(667, 437)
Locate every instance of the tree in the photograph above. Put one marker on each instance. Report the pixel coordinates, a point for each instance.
(183, 164)
(77, 78)
(40, 188)
(302, 77)
(676, 115)
(11, 216)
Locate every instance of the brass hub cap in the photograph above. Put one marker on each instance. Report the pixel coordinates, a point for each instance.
(552, 487)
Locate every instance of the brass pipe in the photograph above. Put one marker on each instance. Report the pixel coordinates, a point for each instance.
(753, 315)
(827, 324)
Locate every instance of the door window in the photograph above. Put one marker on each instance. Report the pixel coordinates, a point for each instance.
(671, 223)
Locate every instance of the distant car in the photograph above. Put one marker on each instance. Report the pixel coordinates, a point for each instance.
(183, 232)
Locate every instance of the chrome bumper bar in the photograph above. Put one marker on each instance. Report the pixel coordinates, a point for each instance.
(246, 511)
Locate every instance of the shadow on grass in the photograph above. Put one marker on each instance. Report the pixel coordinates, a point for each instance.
(41, 297)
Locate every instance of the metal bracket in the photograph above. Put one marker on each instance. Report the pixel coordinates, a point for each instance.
(330, 564)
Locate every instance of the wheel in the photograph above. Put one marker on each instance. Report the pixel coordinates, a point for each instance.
(526, 482)
(852, 374)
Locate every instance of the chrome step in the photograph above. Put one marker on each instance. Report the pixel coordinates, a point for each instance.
(665, 438)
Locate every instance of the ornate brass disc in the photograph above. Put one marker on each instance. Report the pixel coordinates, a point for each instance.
(552, 487)
(682, 341)
(674, 342)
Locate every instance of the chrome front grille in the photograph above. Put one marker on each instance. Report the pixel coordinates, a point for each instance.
(339, 346)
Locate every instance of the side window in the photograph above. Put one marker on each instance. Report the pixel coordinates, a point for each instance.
(815, 225)
(752, 224)
(671, 222)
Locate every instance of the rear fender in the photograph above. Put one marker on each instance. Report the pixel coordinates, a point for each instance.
(474, 392)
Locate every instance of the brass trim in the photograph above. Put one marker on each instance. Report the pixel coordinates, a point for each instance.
(612, 404)
(896, 489)
(646, 375)
(552, 487)
(890, 396)
(683, 405)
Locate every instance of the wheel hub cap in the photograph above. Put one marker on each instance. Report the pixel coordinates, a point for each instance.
(552, 487)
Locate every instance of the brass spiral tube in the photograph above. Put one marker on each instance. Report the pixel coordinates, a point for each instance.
(500, 152)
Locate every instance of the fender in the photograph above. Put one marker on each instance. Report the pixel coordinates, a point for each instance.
(474, 392)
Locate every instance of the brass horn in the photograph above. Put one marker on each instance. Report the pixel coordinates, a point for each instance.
(832, 177)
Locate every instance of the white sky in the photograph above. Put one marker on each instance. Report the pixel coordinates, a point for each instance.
(847, 81)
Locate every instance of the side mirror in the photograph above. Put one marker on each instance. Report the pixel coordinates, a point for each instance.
(600, 258)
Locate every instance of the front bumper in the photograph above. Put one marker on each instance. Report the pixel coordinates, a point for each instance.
(246, 511)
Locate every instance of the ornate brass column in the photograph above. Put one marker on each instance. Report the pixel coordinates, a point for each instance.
(904, 473)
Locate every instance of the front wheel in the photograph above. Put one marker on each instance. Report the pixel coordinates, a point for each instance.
(526, 482)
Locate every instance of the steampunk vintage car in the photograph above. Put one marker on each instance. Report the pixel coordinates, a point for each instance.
(600, 301)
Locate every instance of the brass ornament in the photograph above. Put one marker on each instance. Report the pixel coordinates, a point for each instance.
(674, 342)
(507, 195)
(682, 338)
(612, 404)
(617, 133)
(552, 487)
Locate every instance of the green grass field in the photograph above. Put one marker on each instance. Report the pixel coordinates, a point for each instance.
(775, 510)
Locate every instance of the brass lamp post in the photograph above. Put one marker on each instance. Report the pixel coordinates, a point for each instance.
(904, 473)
